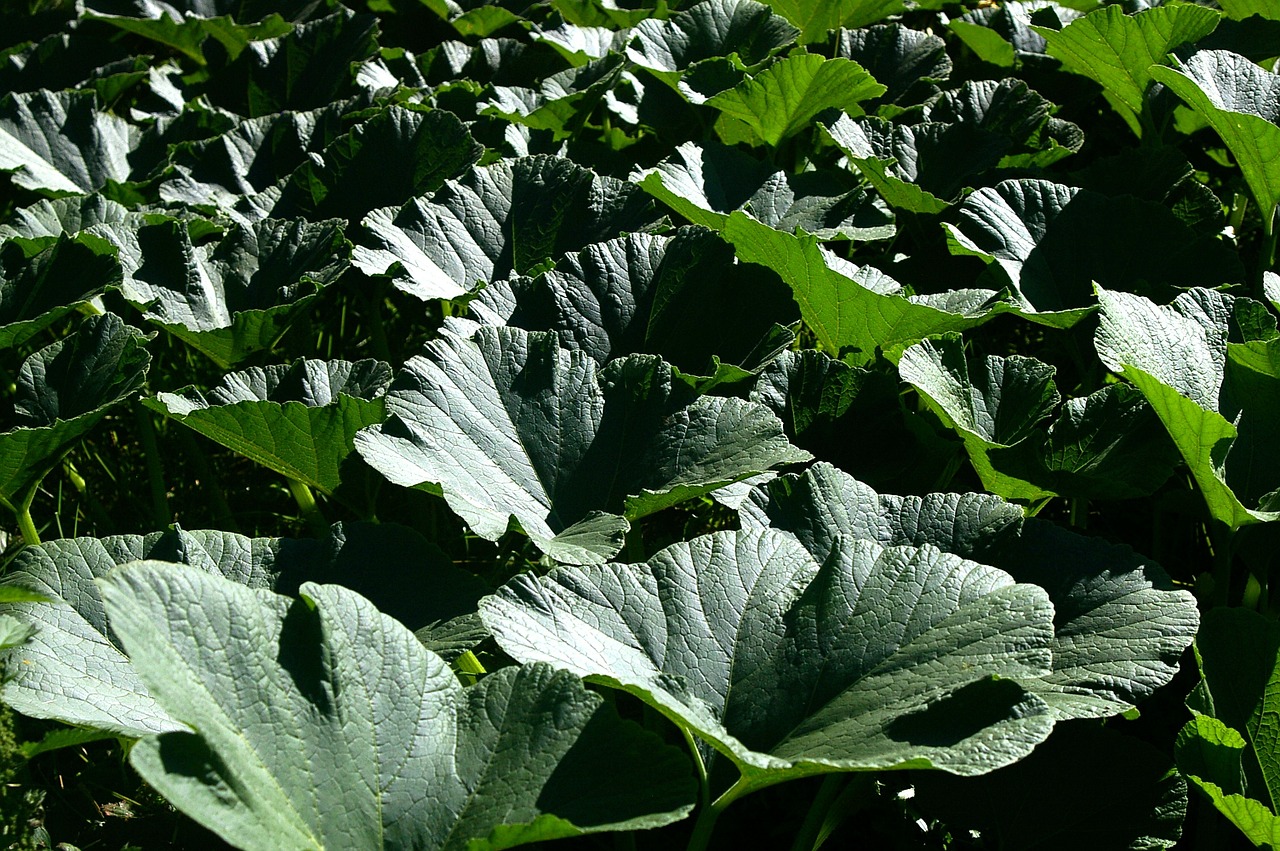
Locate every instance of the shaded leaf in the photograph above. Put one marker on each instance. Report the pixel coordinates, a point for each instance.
(235, 295)
(299, 420)
(1119, 627)
(63, 390)
(62, 142)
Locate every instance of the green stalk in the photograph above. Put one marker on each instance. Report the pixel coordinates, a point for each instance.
(810, 836)
(702, 828)
(307, 505)
(155, 467)
(22, 511)
(1220, 538)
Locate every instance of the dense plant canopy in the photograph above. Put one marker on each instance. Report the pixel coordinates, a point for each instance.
(438, 424)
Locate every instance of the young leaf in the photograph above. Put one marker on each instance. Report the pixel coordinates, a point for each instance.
(865, 312)
(63, 391)
(816, 18)
(1231, 750)
(299, 420)
(783, 99)
(1239, 101)
(1119, 50)
(323, 723)
(510, 424)
(1177, 356)
(877, 658)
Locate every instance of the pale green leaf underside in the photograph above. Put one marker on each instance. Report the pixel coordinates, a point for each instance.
(323, 724)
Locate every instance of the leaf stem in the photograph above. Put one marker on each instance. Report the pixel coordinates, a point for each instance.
(22, 511)
(701, 831)
(810, 835)
(1220, 538)
(307, 505)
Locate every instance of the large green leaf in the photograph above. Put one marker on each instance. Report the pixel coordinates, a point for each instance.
(61, 142)
(1053, 800)
(1231, 750)
(512, 216)
(1010, 109)
(561, 102)
(709, 30)
(1177, 356)
(39, 285)
(1239, 101)
(400, 152)
(907, 62)
(235, 295)
(63, 390)
(683, 297)
(783, 99)
(323, 723)
(74, 671)
(849, 307)
(510, 424)
(877, 658)
(1118, 50)
(1109, 444)
(251, 157)
(308, 68)
(916, 167)
(1119, 627)
(1050, 243)
(299, 420)
(816, 18)
(188, 32)
(707, 183)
